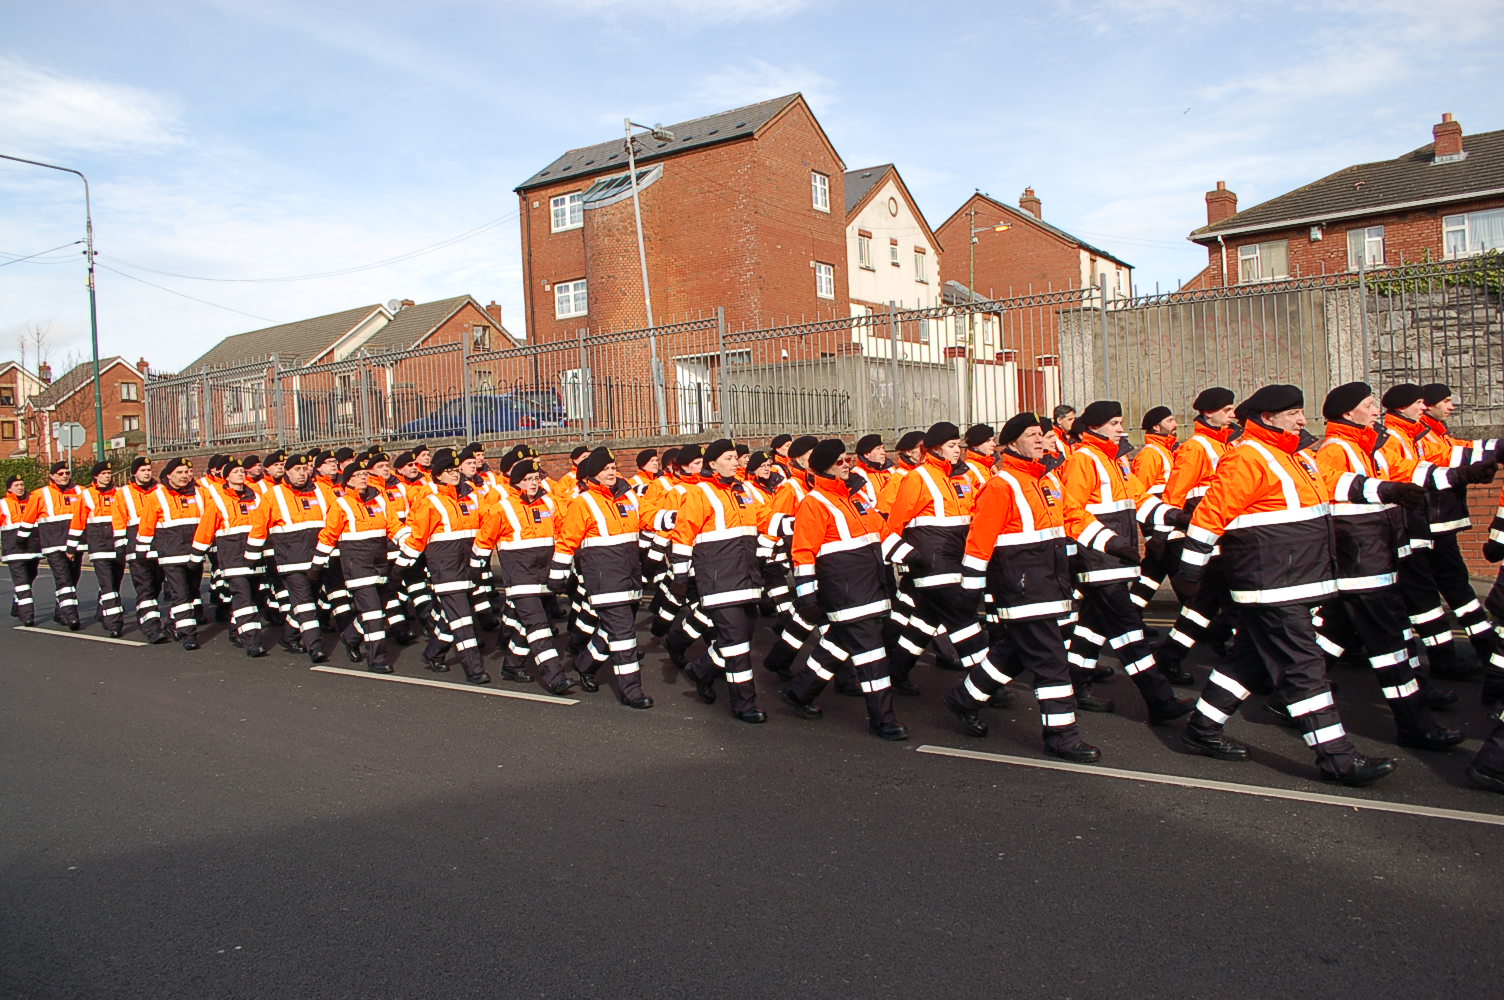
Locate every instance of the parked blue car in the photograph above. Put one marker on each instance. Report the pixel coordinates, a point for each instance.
(490, 416)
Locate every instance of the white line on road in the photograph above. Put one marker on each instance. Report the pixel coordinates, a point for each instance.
(79, 635)
(1222, 786)
(473, 689)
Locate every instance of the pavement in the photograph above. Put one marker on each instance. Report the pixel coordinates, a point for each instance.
(202, 825)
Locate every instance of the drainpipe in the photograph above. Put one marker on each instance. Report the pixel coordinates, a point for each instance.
(1221, 243)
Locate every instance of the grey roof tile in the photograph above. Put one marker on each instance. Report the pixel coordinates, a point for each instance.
(300, 341)
(859, 182)
(74, 378)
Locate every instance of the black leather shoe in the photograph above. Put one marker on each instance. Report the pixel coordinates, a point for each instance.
(640, 702)
(705, 688)
(479, 677)
(888, 731)
(562, 686)
(589, 683)
(1170, 711)
(352, 653)
(437, 665)
(1176, 674)
(906, 688)
(849, 690)
(783, 671)
(1218, 747)
(970, 716)
(1435, 738)
(115, 632)
(659, 628)
(752, 715)
(1486, 777)
(1091, 703)
(380, 668)
(74, 626)
(517, 675)
(1001, 698)
(1439, 697)
(318, 656)
(1278, 710)
(676, 656)
(290, 647)
(255, 652)
(805, 710)
(1081, 753)
(1365, 771)
(190, 644)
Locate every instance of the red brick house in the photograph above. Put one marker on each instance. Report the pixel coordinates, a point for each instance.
(1441, 201)
(17, 386)
(70, 399)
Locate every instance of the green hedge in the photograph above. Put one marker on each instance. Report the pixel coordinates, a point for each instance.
(29, 469)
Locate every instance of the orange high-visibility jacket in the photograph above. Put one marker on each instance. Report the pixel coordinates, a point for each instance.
(1016, 545)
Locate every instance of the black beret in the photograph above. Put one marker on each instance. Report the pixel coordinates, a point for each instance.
(11, 481)
(825, 454)
(344, 454)
(758, 460)
(476, 447)
(742, 449)
(669, 457)
(99, 467)
(231, 465)
(216, 461)
(321, 457)
(403, 458)
(978, 435)
(1345, 398)
(1046, 424)
(1154, 416)
(362, 464)
(1099, 413)
(57, 467)
(511, 457)
(1274, 399)
(1015, 427)
(595, 462)
(420, 448)
(911, 440)
(250, 460)
(272, 458)
(521, 469)
(940, 433)
(138, 462)
(443, 460)
(802, 445)
(687, 454)
(645, 456)
(1213, 399)
(1435, 392)
(1400, 396)
(576, 453)
(867, 442)
(375, 456)
(466, 452)
(173, 464)
(779, 441)
(301, 458)
(717, 448)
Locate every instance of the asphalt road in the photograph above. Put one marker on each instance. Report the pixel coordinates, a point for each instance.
(201, 825)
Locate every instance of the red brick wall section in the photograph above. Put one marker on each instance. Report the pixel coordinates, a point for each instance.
(1010, 262)
(1482, 501)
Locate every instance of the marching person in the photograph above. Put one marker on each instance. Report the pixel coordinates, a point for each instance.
(356, 526)
(57, 501)
(1268, 510)
(981, 454)
(1016, 555)
(910, 450)
(20, 547)
(872, 461)
(839, 586)
(226, 525)
(1487, 767)
(1151, 467)
(598, 537)
(165, 534)
(289, 520)
(93, 531)
(146, 574)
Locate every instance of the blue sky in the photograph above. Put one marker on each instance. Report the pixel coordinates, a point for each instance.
(266, 139)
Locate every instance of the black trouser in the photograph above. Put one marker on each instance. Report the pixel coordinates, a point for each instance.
(23, 573)
(64, 567)
(730, 652)
(364, 627)
(860, 644)
(1375, 622)
(1452, 579)
(108, 573)
(146, 581)
(690, 625)
(614, 641)
(301, 607)
(1158, 561)
(949, 609)
(792, 637)
(1109, 617)
(1279, 639)
(245, 611)
(179, 590)
(455, 627)
(1204, 618)
(532, 638)
(1015, 646)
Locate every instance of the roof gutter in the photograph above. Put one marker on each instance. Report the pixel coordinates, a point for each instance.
(1355, 213)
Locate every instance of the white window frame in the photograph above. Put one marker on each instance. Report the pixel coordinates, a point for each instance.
(864, 251)
(571, 298)
(480, 337)
(1462, 223)
(570, 208)
(130, 392)
(1258, 257)
(825, 280)
(924, 330)
(819, 185)
(130, 422)
(1365, 247)
(920, 273)
(893, 254)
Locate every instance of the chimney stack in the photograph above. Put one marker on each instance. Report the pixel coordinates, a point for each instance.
(1448, 136)
(494, 311)
(1220, 204)
(1029, 202)
(405, 303)
(143, 367)
(44, 372)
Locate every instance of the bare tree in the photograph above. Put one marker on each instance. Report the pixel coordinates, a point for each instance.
(41, 337)
(21, 343)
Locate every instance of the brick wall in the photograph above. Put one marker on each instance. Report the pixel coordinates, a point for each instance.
(79, 408)
(1010, 262)
(1482, 501)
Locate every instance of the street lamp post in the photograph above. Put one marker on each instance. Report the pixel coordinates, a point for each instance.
(971, 289)
(93, 310)
(660, 396)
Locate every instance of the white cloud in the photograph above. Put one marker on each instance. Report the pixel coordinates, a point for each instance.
(41, 111)
(758, 80)
(689, 12)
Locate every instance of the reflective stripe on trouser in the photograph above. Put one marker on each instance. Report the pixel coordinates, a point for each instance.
(690, 626)
(1279, 640)
(1376, 619)
(364, 628)
(146, 581)
(859, 643)
(1450, 571)
(793, 634)
(245, 610)
(456, 632)
(108, 574)
(1422, 602)
(1109, 617)
(1206, 618)
(1032, 644)
(64, 569)
(1151, 573)
(531, 638)
(950, 610)
(301, 626)
(23, 573)
(615, 642)
(179, 597)
(730, 652)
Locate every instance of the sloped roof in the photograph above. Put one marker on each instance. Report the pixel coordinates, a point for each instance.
(302, 340)
(724, 126)
(859, 182)
(1410, 179)
(76, 378)
(1029, 217)
(413, 323)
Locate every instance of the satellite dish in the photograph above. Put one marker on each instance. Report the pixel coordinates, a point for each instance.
(394, 306)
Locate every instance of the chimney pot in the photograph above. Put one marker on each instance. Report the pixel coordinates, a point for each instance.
(1029, 202)
(405, 303)
(1448, 136)
(1220, 204)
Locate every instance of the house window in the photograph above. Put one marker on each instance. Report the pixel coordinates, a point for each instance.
(130, 391)
(893, 253)
(7, 396)
(1365, 247)
(820, 190)
(480, 337)
(568, 211)
(864, 251)
(1264, 261)
(825, 280)
(924, 331)
(1472, 232)
(130, 423)
(569, 299)
(919, 266)
(8, 430)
